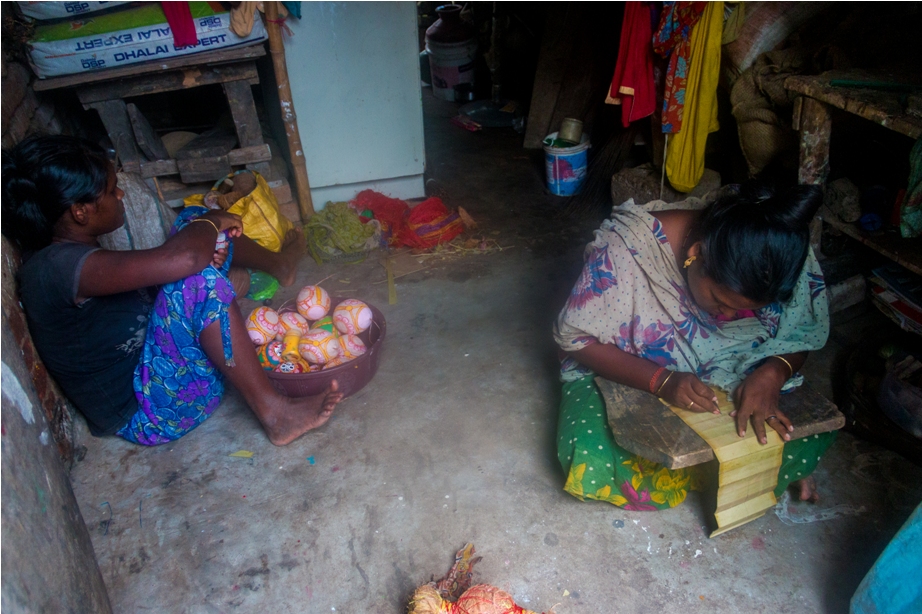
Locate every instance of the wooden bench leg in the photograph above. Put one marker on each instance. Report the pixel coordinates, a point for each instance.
(243, 110)
(114, 116)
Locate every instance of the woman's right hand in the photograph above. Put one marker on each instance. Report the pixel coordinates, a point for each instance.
(686, 390)
(228, 223)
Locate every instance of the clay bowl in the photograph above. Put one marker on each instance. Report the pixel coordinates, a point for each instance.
(351, 377)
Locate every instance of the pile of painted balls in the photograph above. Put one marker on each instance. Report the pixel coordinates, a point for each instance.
(311, 338)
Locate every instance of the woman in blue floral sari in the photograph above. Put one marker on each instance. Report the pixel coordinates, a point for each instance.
(675, 301)
(141, 341)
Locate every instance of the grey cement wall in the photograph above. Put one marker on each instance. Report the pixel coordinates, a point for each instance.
(48, 562)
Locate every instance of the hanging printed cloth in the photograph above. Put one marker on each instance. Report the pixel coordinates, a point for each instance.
(632, 85)
(672, 40)
(685, 152)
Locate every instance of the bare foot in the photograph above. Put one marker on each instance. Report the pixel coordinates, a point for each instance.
(287, 263)
(807, 489)
(285, 419)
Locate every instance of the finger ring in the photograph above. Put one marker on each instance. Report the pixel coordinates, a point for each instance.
(690, 405)
(771, 418)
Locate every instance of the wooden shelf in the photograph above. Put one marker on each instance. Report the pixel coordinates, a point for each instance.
(883, 107)
(906, 252)
(232, 54)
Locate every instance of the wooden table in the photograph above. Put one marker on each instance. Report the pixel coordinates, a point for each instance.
(105, 90)
(643, 425)
(812, 116)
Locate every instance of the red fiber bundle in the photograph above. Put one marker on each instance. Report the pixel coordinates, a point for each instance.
(426, 225)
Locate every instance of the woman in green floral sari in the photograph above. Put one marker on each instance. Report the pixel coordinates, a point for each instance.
(675, 301)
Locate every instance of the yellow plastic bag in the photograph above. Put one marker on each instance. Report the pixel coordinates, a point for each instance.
(262, 219)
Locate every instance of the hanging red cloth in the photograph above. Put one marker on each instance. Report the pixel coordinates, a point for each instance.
(632, 85)
(181, 24)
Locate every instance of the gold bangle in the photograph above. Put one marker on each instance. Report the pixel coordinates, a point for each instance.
(207, 221)
(660, 387)
(784, 360)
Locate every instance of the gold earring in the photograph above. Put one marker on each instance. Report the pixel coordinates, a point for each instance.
(689, 260)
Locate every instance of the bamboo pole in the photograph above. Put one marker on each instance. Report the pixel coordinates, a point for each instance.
(277, 50)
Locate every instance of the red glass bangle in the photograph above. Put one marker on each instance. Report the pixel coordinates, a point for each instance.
(653, 379)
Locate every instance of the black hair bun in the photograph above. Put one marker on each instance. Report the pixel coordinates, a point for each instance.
(793, 207)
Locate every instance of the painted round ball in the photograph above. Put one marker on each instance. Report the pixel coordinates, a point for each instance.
(319, 346)
(352, 346)
(292, 320)
(326, 323)
(339, 360)
(352, 316)
(270, 355)
(290, 367)
(313, 302)
(262, 325)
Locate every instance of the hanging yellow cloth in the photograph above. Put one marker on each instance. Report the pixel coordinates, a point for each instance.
(685, 150)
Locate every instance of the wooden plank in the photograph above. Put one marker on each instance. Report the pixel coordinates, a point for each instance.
(209, 144)
(193, 76)
(561, 30)
(148, 140)
(211, 168)
(641, 423)
(221, 56)
(114, 116)
(236, 157)
(243, 110)
(879, 106)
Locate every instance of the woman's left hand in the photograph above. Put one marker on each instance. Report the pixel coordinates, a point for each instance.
(757, 398)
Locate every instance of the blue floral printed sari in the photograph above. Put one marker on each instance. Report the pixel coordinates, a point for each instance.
(177, 386)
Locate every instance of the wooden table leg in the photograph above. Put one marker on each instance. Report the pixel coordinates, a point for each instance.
(243, 110)
(815, 131)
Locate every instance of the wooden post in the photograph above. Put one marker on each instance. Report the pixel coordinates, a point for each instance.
(815, 129)
(299, 166)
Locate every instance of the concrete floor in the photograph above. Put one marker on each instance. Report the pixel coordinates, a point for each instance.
(453, 441)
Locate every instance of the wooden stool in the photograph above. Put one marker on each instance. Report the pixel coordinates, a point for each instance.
(139, 149)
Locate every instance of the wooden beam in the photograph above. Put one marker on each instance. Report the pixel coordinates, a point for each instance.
(289, 119)
(141, 85)
(235, 157)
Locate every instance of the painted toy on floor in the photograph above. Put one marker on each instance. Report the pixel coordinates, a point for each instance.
(326, 323)
(454, 594)
(289, 320)
(319, 346)
(313, 302)
(352, 316)
(291, 367)
(352, 347)
(313, 338)
(262, 325)
(270, 355)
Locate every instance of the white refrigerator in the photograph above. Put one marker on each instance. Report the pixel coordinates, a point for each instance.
(355, 83)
